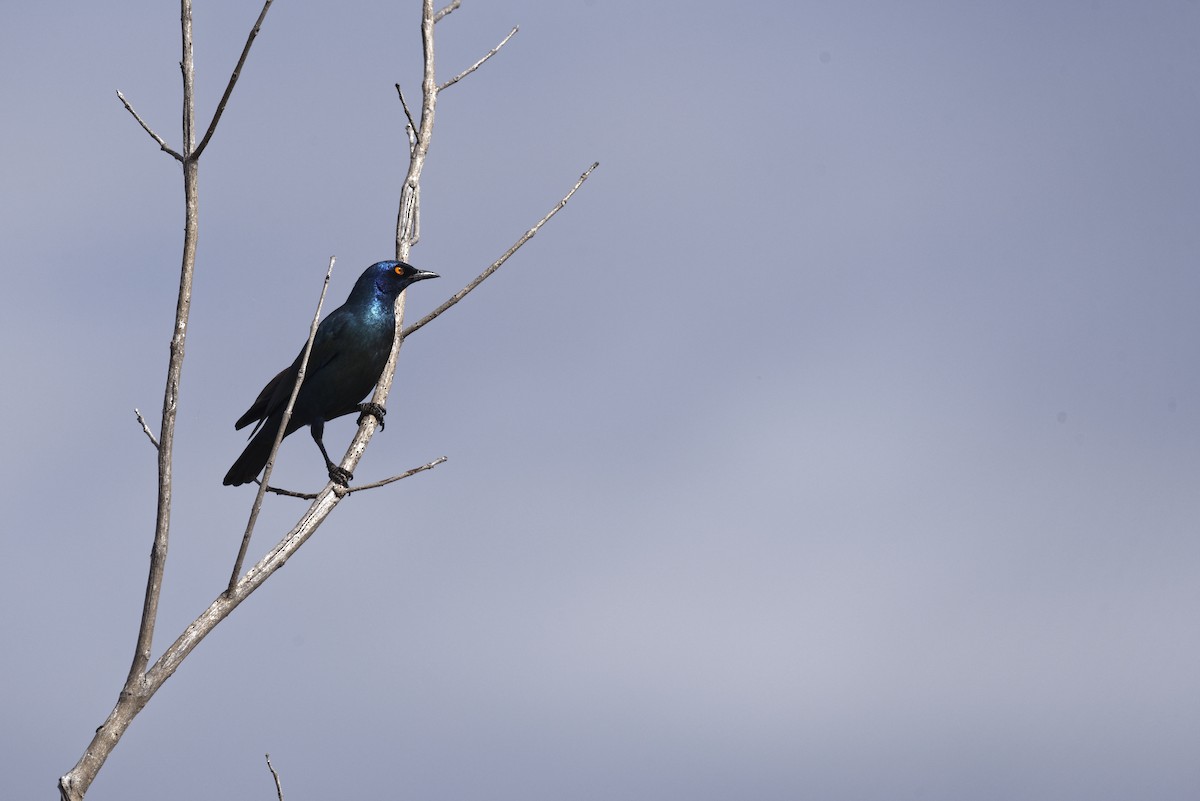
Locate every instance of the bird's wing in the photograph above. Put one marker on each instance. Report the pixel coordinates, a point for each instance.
(327, 345)
(264, 404)
(274, 396)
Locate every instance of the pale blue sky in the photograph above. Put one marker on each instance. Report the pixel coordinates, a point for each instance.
(840, 439)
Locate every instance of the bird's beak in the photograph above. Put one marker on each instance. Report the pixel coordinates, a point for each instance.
(421, 275)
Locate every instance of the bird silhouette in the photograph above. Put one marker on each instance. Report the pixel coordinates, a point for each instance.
(349, 352)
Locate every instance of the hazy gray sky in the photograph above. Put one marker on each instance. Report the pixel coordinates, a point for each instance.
(840, 439)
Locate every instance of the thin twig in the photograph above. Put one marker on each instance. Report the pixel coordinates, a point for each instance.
(479, 279)
(282, 432)
(448, 9)
(287, 493)
(237, 71)
(412, 125)
(405, 474)
(161, 142)
(479, 63)
(309, 496)
(278, 787)
(146, 428)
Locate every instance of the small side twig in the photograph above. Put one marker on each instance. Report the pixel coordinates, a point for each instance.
(438, 16)
(237, 71)
(275, 775)
(309, 496)
(405, 474)
(412, 125)
(479, 63)
(479, 279)
(146, 428)
(287, 415)
(161, 142)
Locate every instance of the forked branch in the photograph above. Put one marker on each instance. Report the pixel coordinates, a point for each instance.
(139, 687)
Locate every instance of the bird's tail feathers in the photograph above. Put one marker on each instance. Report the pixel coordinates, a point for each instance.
(254, 457)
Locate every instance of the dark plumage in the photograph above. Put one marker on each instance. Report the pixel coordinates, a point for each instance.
(348, 355)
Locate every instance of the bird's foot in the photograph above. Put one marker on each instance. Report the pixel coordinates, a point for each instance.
(340, 476)
(373, 409)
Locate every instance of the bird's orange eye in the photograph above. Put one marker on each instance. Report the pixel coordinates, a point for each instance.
(399, 270)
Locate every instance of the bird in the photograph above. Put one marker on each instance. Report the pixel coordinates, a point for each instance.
(348, 354)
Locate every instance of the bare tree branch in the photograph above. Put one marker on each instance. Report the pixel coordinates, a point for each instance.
(308, 496)
(135, 695)
(479, 279)
(183, 305)
(161, 142)
(406, 217)
(279, 435)
(393, 479)
(479, 63)
(447, 10)
(139, 687)
(73, 785)
(146, 428)
(412, 125)
(287, 493)
(237, 71)
(278, 786)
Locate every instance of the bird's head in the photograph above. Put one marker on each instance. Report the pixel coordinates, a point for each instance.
(391, 277)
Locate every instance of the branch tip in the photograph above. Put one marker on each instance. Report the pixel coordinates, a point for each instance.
(496, 265)
(479, 63)
(344, 491)
(233, 79)
(162, 144)
(274, 775)
(412, 125)
(146, 428)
